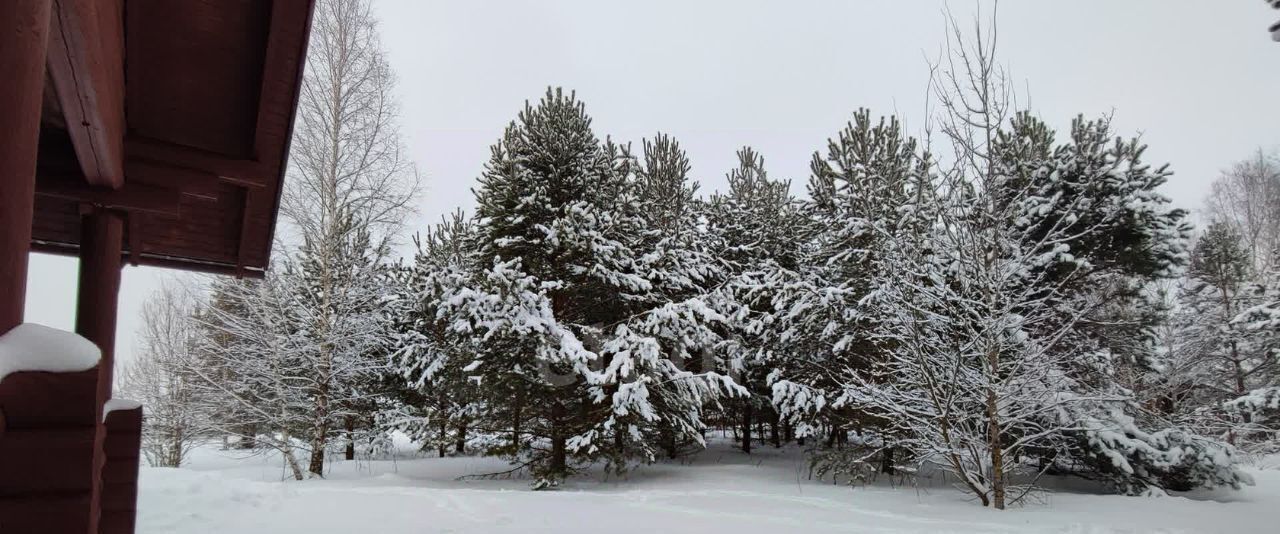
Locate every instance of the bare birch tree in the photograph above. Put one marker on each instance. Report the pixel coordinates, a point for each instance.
(347, 159)
(252, 366)
(1247, 197)
(349, 186)
(160, 377)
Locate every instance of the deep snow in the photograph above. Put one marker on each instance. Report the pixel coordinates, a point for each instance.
(720, 490)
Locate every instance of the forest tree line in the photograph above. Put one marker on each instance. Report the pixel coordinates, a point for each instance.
(992, 297)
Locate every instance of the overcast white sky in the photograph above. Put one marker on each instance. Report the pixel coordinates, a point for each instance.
(1198, 79)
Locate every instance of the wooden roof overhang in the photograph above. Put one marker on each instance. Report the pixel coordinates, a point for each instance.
(177, 113)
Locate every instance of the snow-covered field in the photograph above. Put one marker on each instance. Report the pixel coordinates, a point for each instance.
(720, 490)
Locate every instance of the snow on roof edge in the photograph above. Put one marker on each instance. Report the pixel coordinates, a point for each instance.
(35, 347)
(118, 404)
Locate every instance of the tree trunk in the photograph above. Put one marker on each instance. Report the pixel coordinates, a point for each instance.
(324, 375)
(997, 452)
(515, 424)
(249, 440)
(319, 435)
(559, 456)
(1239, 369)
(441, 448)
(350, 453)
(315, 465)
(176, 461)
(886, 461)
(559, 461)
(775, 433)
(746, 427)
(286, 450)
(460, 445)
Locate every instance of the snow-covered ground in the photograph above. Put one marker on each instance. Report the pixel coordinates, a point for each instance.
(720, 490)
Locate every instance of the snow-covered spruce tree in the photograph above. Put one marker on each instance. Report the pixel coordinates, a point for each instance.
(1247, 197)
(761, 237)
(572, 344)
(1228, 329)
(1260, 323)
(1225, 364)
(1263, 318)
(554, 261)
(966, 384)
(988, 309)
(993, 362)
(1123, 235)
(1169, 385)
(681, 263)
(863, 194)
(1122, 238)
(1130, 236)
(666, 195)
(431, 400)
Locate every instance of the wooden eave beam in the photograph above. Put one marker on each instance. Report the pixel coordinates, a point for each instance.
(241, 172)
(129, 197)
(284, 60)
(184, 180)
(282, 73)
(86, 64)
(152, 259)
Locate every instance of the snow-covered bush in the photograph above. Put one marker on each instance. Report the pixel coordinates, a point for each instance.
(1114, 449)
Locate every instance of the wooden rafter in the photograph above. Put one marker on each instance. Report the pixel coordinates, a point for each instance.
(86, 64)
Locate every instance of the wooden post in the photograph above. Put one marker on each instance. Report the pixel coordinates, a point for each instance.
(24, 37)
(101, 237)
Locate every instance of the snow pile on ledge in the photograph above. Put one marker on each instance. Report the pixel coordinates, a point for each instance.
(34, 347)
(118, 404)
